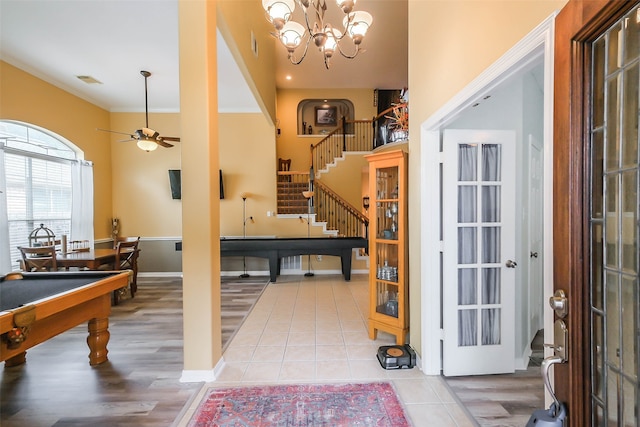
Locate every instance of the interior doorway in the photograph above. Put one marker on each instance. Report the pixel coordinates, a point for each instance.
(520, 86)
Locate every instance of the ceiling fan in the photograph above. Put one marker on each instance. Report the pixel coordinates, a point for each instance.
(148, 139)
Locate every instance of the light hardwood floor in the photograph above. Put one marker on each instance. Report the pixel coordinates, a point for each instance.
(503, 400)
(139, 385)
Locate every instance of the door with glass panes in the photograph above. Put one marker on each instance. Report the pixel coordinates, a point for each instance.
(596, 209)
(478, 252)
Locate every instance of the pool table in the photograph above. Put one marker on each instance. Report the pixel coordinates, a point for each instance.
(35, 307)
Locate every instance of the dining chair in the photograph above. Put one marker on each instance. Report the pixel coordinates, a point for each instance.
(124, 239)
(284, 165)
(127, 259)
(38, 258)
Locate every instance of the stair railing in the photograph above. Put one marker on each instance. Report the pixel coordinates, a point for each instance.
(351, 135)
(339, 214)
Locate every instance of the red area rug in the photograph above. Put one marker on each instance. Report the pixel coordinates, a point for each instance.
(301, 405)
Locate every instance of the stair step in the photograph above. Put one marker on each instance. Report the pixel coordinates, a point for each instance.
(291, 210)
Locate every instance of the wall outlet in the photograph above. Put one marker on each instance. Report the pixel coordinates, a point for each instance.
(319, 258)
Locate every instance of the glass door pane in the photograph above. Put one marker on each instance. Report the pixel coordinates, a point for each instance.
(613, 224)
(479, 237)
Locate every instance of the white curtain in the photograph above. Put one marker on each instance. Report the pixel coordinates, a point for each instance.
(5, 257)
(82, 201)
(489, 245)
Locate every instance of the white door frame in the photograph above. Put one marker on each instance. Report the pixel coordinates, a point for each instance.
(537, 43)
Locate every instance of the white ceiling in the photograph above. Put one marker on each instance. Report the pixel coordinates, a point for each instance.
(112, 40)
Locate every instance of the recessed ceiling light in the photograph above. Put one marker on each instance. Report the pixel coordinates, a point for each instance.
(288, 77)
(89, 80)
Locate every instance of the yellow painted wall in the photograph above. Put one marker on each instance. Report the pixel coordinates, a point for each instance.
(248, 163)
(450, 43)
(29, 99)
(237, 20)
(294, 147)
(141, 192)
(345, 178)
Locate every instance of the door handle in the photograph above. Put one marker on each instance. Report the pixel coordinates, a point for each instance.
(510, 264)
(534, 254)
(558, 303)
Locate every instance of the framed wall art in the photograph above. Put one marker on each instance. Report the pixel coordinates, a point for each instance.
(326, 116)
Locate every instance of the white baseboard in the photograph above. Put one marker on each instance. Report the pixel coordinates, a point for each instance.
(207, 375)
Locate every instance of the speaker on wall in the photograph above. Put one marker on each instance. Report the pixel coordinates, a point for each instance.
(221, 186)
(176, 184)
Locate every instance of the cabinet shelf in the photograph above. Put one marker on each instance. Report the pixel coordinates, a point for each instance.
(388, 285)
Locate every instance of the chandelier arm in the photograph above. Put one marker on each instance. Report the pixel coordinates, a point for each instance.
(306, 48)
(346, 55)
(306, 15)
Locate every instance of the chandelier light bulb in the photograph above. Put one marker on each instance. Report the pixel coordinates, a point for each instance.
(291, 35)
(331, 42)
(357, 24)
(346, 5)
(278, 11)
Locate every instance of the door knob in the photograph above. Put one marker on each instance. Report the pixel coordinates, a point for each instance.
(511, 264)
(558, 303)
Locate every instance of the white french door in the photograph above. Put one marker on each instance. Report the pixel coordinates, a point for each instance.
(478, 252)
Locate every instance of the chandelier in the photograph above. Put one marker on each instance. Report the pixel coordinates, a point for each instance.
(327, 38)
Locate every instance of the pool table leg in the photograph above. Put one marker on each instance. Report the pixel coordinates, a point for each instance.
(98, 339)
(16, 360)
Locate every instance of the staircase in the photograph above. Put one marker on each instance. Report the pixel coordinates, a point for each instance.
(290, 198)
(327, 206)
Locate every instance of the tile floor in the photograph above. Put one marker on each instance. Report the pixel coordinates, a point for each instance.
(315, 330)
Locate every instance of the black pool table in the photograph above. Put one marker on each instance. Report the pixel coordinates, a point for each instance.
(276, 248)
(35, 307)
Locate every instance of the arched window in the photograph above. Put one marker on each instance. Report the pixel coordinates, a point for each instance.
(43, 180)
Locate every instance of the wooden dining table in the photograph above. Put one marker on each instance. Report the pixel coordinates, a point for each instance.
(91, 260)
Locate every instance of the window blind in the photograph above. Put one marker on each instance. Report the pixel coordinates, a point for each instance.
(38, 191)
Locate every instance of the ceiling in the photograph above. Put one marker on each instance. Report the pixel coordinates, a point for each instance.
(113, 40)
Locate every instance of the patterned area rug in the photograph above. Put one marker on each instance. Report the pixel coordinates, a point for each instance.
(237, 298)
(301, 405)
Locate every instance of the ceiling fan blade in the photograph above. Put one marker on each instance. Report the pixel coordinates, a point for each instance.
(114, 131)
(170, 138)
(161, 143)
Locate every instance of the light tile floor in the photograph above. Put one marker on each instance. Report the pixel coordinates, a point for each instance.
(314, 330)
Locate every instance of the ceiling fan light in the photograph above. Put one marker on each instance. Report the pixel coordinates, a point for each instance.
(278, 11)
(357, 24)
(147, 145)
(291, 35)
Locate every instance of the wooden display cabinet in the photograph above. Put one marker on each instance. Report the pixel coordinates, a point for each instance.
(388, 287)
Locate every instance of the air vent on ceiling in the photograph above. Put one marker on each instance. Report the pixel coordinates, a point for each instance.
(89, 80)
